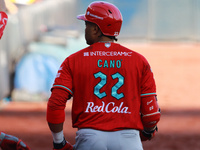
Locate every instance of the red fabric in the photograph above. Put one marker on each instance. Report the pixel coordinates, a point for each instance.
(150, 111)
(3, 22)
(10, 142)
(107, 81)
(149, 105)
(56, 106)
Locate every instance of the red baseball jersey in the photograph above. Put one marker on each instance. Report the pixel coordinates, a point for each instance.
(107, 82)
(3, 22)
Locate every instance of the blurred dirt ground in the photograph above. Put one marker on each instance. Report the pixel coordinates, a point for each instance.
(176, 69)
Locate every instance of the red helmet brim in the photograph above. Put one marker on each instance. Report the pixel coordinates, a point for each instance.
(81, 17)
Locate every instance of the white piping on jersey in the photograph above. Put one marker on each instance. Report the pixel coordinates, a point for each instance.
(151, 114)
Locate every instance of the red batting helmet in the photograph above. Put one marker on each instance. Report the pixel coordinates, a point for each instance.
(106, 15)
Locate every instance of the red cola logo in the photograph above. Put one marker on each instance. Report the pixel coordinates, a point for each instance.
(109, 108)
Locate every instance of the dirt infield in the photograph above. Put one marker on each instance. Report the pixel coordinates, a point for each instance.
(177, 71)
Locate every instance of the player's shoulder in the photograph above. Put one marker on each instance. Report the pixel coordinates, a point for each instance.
(134, 52)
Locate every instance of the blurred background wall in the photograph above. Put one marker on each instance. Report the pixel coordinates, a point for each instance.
(50, 28)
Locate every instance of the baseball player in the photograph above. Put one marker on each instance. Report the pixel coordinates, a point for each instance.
(113, 88)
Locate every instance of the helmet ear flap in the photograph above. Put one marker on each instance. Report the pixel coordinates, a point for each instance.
(106, 15)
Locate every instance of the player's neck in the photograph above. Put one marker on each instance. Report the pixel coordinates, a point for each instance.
(105, 39)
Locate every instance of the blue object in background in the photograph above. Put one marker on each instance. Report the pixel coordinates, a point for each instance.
(35, 73)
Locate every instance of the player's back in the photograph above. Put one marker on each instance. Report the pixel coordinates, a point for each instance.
(107, 85)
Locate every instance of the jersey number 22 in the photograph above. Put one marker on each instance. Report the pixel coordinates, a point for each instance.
(103, 83)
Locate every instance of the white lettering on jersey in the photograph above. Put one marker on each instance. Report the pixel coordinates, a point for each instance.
(4, 20)
(109, 108)
(86, 54)
(110, 53)
(151, 108)
(107, 53)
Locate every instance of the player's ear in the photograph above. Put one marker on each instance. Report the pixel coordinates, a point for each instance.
(97, 30)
